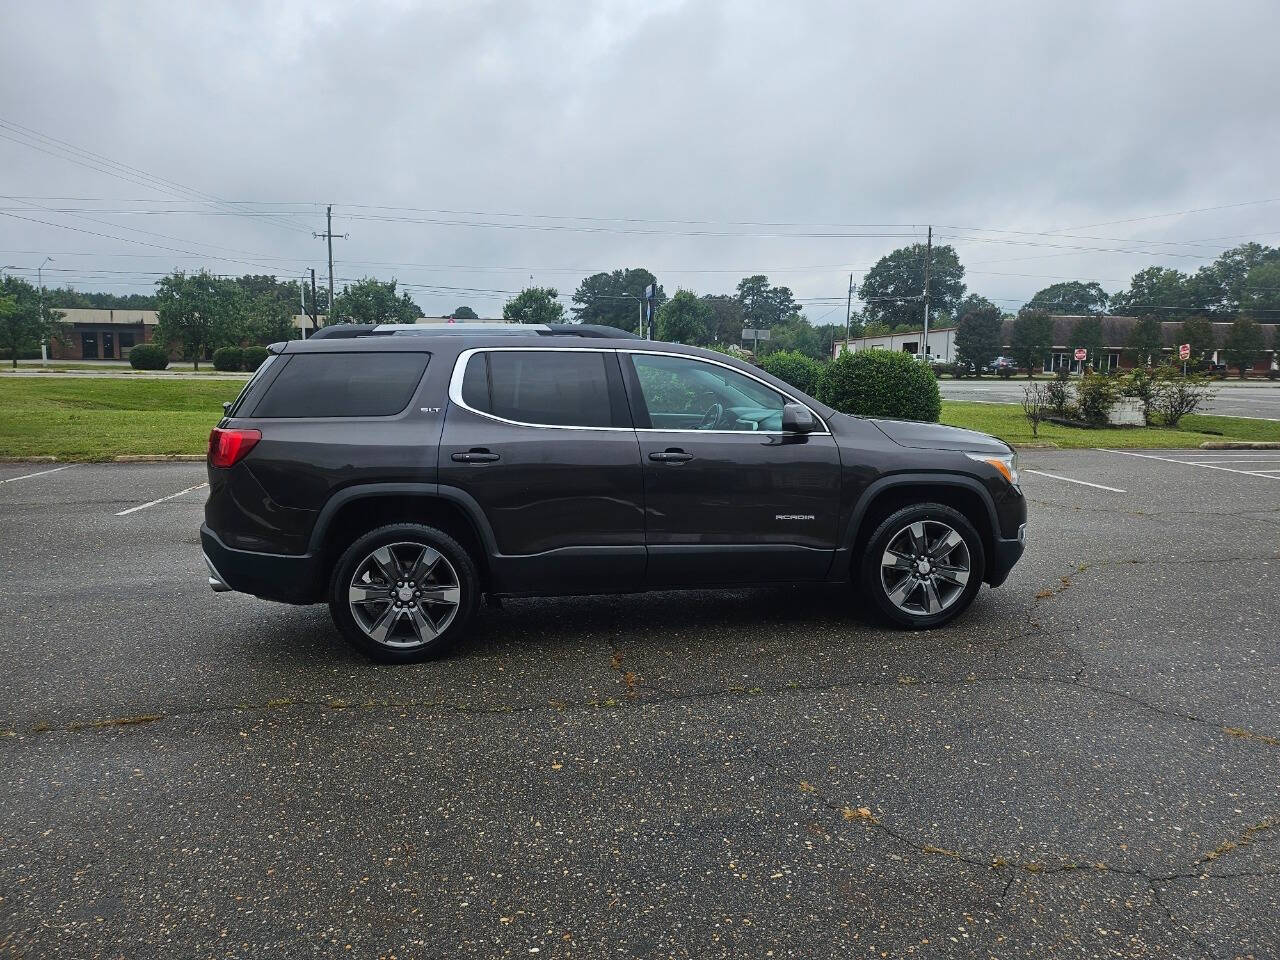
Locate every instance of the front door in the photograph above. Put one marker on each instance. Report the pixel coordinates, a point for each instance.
(89, 346)
(108, 345)
(729, 497)
(542, 440)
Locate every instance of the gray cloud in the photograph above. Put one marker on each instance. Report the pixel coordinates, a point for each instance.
(1011, 116)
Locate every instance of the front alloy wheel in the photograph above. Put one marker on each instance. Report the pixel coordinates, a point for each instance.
(923, 565)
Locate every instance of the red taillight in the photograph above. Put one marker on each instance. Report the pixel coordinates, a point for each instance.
(229, 447)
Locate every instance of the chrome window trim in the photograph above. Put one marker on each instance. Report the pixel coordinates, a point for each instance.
(460, 367)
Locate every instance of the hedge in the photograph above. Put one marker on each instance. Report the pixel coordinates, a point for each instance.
(793, 367)
(147, 356)
(227, 359)
(881, 383)
(252, 358)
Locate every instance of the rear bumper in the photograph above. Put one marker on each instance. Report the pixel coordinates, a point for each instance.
(1004, 556)
(271, 576)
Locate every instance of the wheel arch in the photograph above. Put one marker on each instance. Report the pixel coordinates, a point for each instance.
(356, 510)
(884, 496)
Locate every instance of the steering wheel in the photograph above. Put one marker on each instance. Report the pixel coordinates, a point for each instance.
(711, 418)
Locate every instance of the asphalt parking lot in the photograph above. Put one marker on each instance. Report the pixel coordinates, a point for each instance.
(1086, 764)
(1259, 401)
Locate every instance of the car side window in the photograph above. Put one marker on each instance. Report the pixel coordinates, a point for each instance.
(551, 388)
(682, 393)
(343, 385)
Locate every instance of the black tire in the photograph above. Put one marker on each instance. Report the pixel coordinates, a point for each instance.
(421, 627)
(933, 517)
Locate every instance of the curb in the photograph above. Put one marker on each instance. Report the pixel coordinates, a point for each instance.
(1240, 445)
(160, 458)
(29, 460)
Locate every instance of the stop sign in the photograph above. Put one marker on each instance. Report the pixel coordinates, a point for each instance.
(1184, 352)
(1081, 353)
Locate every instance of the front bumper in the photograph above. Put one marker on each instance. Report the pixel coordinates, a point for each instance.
(271, 576)
(1005, 555)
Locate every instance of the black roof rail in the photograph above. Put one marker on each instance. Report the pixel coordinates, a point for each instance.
(346, 331)
(589, 330)
(340, 331)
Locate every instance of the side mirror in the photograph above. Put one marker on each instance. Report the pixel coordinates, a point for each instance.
(797, 418)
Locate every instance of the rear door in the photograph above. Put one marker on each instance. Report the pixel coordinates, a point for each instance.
(729, 497)
(542, 440)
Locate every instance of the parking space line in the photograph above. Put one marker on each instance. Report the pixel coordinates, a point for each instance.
(1083, 483)
(172, 496)
(1189, 463)
(28, 476)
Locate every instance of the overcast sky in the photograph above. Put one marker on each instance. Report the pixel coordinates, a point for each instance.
(697, 135)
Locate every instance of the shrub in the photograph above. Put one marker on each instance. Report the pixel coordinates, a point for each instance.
(251, 358)
(148, 356)
(1145, 387)
(1035, 405)
(1095, 396)
(1180, 395)
(793, 367)
(881, 383)
(227, 359)
(1058, 395)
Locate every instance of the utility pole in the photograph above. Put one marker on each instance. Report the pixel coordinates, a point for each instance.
(329, 235)
(848, 316)
(928, 262)
(44, 340)
(315, 307)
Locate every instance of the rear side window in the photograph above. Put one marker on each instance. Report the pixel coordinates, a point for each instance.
(549, 388)
(343, 385)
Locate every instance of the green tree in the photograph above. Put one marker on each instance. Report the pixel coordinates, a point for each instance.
(1220, 288)
(1198, 332)
(267, 319)
(828, 334)
(763, 305)
(1032, 338)
(1087, 332)
(614, 298)
(1146, 341)
(727, 326)
(1071, 298)
(797, 334)
(198, 311)
(685, 319)
(1245, 343)
(373, 301)
(978, 334)
(23, 325)
(1155, 288)
(893, 289)
(464, 313)
(1262, 292)
(535, 305)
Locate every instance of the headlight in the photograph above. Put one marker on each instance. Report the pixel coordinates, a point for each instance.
(1007, 464)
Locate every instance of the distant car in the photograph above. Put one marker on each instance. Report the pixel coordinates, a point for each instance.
(1001, 363)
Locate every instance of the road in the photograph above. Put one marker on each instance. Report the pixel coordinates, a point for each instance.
(1262, 402)
(1086, 764)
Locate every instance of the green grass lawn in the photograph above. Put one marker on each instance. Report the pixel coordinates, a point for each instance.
(97, 419)
(1007, 422)
(86, 419)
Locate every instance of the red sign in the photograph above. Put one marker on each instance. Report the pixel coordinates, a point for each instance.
(1081, 353)
(1184, 352)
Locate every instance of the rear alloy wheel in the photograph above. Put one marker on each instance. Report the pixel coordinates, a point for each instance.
(923, 565)
(403, 592)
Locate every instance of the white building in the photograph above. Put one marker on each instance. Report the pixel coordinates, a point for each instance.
(942, 343)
